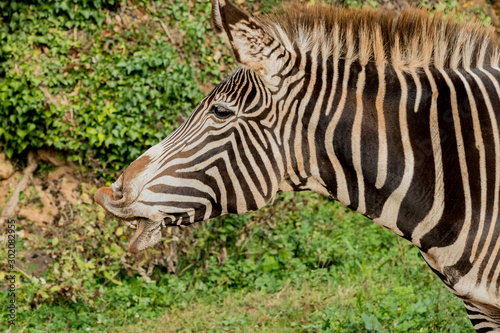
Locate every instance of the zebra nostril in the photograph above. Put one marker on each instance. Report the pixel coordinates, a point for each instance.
(117, 191)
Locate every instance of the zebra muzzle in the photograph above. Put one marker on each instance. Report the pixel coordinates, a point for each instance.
(147, 232)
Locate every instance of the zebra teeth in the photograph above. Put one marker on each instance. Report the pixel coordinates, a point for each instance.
(131, 224)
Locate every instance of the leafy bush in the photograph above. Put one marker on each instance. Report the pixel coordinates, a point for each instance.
(108, 91)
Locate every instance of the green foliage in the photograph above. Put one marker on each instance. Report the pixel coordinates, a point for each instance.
(24, 15)
(101, 81)
(110, 90)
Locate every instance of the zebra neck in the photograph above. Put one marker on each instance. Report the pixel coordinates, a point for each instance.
(378, 139)
(342, 145)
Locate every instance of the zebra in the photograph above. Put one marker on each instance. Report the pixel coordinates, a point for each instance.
(395, 115)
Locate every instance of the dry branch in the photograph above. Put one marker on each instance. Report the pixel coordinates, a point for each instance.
(10, 207)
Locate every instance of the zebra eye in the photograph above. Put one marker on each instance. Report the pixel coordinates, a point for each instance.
(220, 112)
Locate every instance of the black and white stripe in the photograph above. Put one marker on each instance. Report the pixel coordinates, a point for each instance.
(394, 116)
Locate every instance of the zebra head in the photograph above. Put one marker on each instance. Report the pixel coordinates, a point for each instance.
(228, 156)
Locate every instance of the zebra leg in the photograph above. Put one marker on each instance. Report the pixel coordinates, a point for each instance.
(484, 318)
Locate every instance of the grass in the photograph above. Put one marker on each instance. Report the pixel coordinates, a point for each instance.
(304, 264)
(321, 307)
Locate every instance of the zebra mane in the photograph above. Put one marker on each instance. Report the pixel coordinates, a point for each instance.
(409, 40)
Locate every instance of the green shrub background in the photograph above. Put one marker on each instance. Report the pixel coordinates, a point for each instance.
(94, 90)
(102, 81)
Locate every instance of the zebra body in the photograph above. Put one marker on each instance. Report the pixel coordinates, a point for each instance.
(396, 117)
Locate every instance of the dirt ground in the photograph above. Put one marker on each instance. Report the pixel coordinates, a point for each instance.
(47, 201)
(49, 192)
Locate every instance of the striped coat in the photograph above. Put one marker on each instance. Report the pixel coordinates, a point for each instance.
(395, 116)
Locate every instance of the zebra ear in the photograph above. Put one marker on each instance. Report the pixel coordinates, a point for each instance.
(252, 46)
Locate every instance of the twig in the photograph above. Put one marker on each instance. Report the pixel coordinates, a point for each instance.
(10, 206)
(164, 27)
(185, 269)
(47, 324)
(111, 278)
(142, 272)
(29, 277)
(401, 249)
(192, 280)
(287, 283)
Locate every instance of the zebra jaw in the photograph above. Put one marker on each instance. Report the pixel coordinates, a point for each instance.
(147, 234)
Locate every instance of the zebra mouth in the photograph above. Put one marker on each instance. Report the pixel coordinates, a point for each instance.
(133, 224)
(147, 234)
